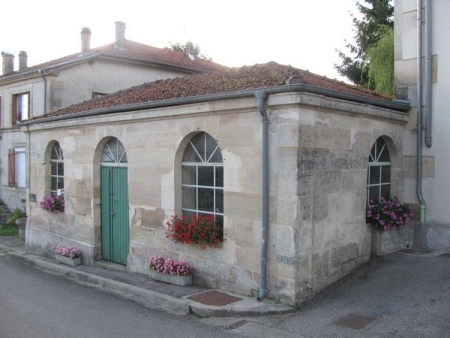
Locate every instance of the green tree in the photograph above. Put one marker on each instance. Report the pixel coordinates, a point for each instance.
(380, 61)
(376, 15)
(188, 48)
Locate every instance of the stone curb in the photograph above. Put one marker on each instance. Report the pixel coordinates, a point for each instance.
(247, 307)
(142, 296)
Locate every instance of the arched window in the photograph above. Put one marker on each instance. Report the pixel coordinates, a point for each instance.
(57, 170)
(202, 178)
(114, 152)
(378, 172)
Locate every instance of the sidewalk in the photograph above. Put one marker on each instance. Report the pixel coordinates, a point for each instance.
(140, 288)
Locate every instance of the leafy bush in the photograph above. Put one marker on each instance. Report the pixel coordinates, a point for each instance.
(15, 215)
(68, 251)
(169, 266)
(388, 214)
(199, 230)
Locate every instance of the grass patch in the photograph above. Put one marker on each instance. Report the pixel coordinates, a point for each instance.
(9, 230)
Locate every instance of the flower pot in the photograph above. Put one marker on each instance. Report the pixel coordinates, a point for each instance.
(385, 242)
(171, 279)
(21, 224)
(67, 260)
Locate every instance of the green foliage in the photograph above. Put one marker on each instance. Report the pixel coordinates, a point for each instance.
(14, 216)
(380, 58)
(9, 230)
(188, 48)
(378, 13)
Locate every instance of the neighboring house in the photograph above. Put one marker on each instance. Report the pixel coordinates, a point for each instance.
(35, 91)
(279, 154)
(426, 154)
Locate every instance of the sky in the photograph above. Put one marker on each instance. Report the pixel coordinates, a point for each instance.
(300, 33)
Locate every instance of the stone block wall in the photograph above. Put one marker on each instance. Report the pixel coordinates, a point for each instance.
(317, 187)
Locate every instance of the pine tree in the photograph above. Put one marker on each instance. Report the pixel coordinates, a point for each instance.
(377, 15)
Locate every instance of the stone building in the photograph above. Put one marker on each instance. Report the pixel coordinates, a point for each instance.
(279, 154)
(421, 76)
(33, 91)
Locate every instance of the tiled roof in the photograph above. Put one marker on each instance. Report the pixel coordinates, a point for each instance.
(133, 51)
(234, 79)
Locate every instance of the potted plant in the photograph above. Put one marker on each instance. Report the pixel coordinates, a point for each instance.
(203, 230)
(68, 255)
(52, 203)
(170, 271)
(388, 218)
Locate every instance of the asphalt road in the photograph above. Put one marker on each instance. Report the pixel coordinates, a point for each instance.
(39, 305)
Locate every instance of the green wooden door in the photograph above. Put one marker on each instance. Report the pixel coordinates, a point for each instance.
(115, 221)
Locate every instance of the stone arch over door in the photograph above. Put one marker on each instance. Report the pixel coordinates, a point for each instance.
(111, 202)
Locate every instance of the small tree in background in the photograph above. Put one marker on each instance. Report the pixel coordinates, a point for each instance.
(375, 16)
(380, 61)
(188, 48)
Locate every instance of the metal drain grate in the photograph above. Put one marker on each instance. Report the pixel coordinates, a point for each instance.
(215, 298)
(354, 321)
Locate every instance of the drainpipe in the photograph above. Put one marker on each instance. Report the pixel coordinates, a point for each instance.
(261, 96)
(41, 73)
(428, 74)
(419, 113)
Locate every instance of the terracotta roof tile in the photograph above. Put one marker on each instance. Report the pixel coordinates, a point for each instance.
(135, 51)
(234, 79)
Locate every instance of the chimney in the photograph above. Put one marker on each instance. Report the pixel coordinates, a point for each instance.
(23, 58)
(85, 40)
(120, 35)
(8, 62)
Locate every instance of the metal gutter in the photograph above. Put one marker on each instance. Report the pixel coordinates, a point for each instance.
(401, 106)
(261, 96)
(428, 74)
(419, 114)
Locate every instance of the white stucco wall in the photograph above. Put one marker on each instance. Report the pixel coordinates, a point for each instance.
(436, 160)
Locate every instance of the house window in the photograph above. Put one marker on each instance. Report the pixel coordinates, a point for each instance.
(378, 172)
(57, 170)
(16, 168)
(20, 107)
(202, 178)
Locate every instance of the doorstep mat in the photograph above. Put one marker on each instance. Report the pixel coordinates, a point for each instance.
(214, 298)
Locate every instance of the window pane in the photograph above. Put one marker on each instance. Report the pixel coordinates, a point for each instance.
(188, 214)
(374, 174)
(219, 177)
(61, 169)
(54, 167)
(198, 141)
(374, 194)
(54, 184)
(188, 175)
(206, 176)
(205, 199)
(385, 190)
(219, 201)
(189, 198)
(60, 183)
(383, 153)
(190, 155)
(212, 150)
(385, 174)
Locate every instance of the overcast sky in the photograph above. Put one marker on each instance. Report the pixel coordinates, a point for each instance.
(301, 33)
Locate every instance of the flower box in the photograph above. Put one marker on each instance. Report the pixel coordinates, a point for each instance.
(385, 242)
(171, 279)
(67, 260)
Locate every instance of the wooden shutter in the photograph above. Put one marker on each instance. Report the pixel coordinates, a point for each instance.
(11, 167)
(14, 110)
